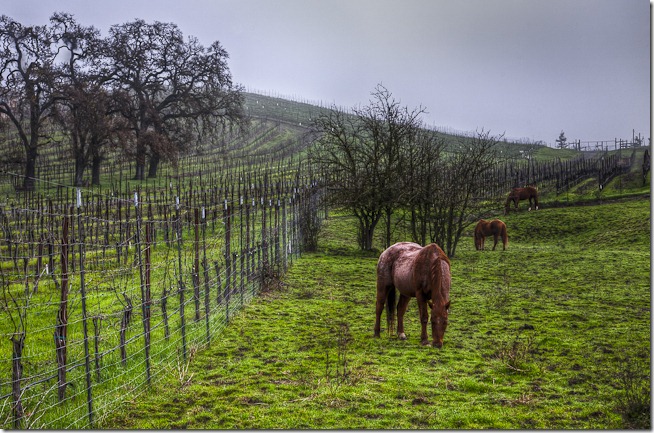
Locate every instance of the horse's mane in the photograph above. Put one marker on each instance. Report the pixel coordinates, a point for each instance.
(435, 270)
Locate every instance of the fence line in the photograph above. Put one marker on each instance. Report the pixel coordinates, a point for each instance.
(105, 295)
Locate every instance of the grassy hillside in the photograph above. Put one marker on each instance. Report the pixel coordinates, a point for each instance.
(553, 333)
(301, 114)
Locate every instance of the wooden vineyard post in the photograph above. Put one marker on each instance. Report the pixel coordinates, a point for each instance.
(61, 327)
(87, 360)
(228, 261)
(205, 268)
(18, 343)
(196, 263)
(182, 318)
(240, 243)
(144, 276)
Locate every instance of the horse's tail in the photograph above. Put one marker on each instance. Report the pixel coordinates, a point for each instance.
(391, 301)
(505, 238)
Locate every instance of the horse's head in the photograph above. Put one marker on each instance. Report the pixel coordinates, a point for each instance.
(507, 203)
(440, 305)
(439, 322)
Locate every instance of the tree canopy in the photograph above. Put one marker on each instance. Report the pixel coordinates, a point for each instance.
(145, 88)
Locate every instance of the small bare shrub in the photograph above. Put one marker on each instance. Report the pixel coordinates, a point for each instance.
(338, 372)
(634, 401)
(518, 352)
(183, 374)
(309, 221)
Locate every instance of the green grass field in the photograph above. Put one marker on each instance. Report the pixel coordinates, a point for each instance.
(553, 333)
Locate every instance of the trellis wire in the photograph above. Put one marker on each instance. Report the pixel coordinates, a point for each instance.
(183, 267)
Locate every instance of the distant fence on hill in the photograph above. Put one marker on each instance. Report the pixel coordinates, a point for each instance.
(606, 145)
(103, 295)
(558, 175)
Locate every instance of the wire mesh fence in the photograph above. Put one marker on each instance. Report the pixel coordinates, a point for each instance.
(103, 295)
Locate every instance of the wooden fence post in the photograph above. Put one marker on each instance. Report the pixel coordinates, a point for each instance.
(18, 343)
(87, 361)
(196, 263)
(61, 327)
(180, 280)
(228, 260)
(205, 267)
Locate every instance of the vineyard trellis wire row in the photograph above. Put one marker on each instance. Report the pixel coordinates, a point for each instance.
(262, 143)
(557, 175)
(104, 294)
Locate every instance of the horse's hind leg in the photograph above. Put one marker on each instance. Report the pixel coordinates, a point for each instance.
(379, 308)
(495, 235)
(402, 305)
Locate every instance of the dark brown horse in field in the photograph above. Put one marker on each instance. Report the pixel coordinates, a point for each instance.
(527, 193)
(485, 228)
(423, 273)
(646, 165)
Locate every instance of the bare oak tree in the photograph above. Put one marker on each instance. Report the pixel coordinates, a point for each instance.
(460, 198)
(363, 156)
(86, 110)
(28, 85)
(391, 130)
(179, 90)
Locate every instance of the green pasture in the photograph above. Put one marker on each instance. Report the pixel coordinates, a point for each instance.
(553, 333)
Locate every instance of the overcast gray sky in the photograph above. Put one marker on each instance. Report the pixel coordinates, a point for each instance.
(524, 67)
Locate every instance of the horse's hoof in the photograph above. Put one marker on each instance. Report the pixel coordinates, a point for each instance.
(438, 345)
(402, 336)
(530, 209)
(425, 342)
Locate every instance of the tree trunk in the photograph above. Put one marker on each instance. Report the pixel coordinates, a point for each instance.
(154, 165)
(80, 166)
(29, 182)
(140, 171)
(95, 169)
(141, 150)
(389, 212)
(366, 232)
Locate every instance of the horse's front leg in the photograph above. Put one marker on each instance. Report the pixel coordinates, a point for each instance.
(402, 305)
(424, 317)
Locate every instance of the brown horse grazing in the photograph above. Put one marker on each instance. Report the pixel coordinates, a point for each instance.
(485, 228)
(423, 273)
(517, 194)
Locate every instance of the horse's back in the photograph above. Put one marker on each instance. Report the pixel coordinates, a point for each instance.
(392, 254)
(406, 265)
(498, 226)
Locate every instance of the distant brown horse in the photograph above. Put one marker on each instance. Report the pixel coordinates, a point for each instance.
(415, 271)
(485, 228)
(527, 193)
(646, 165)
